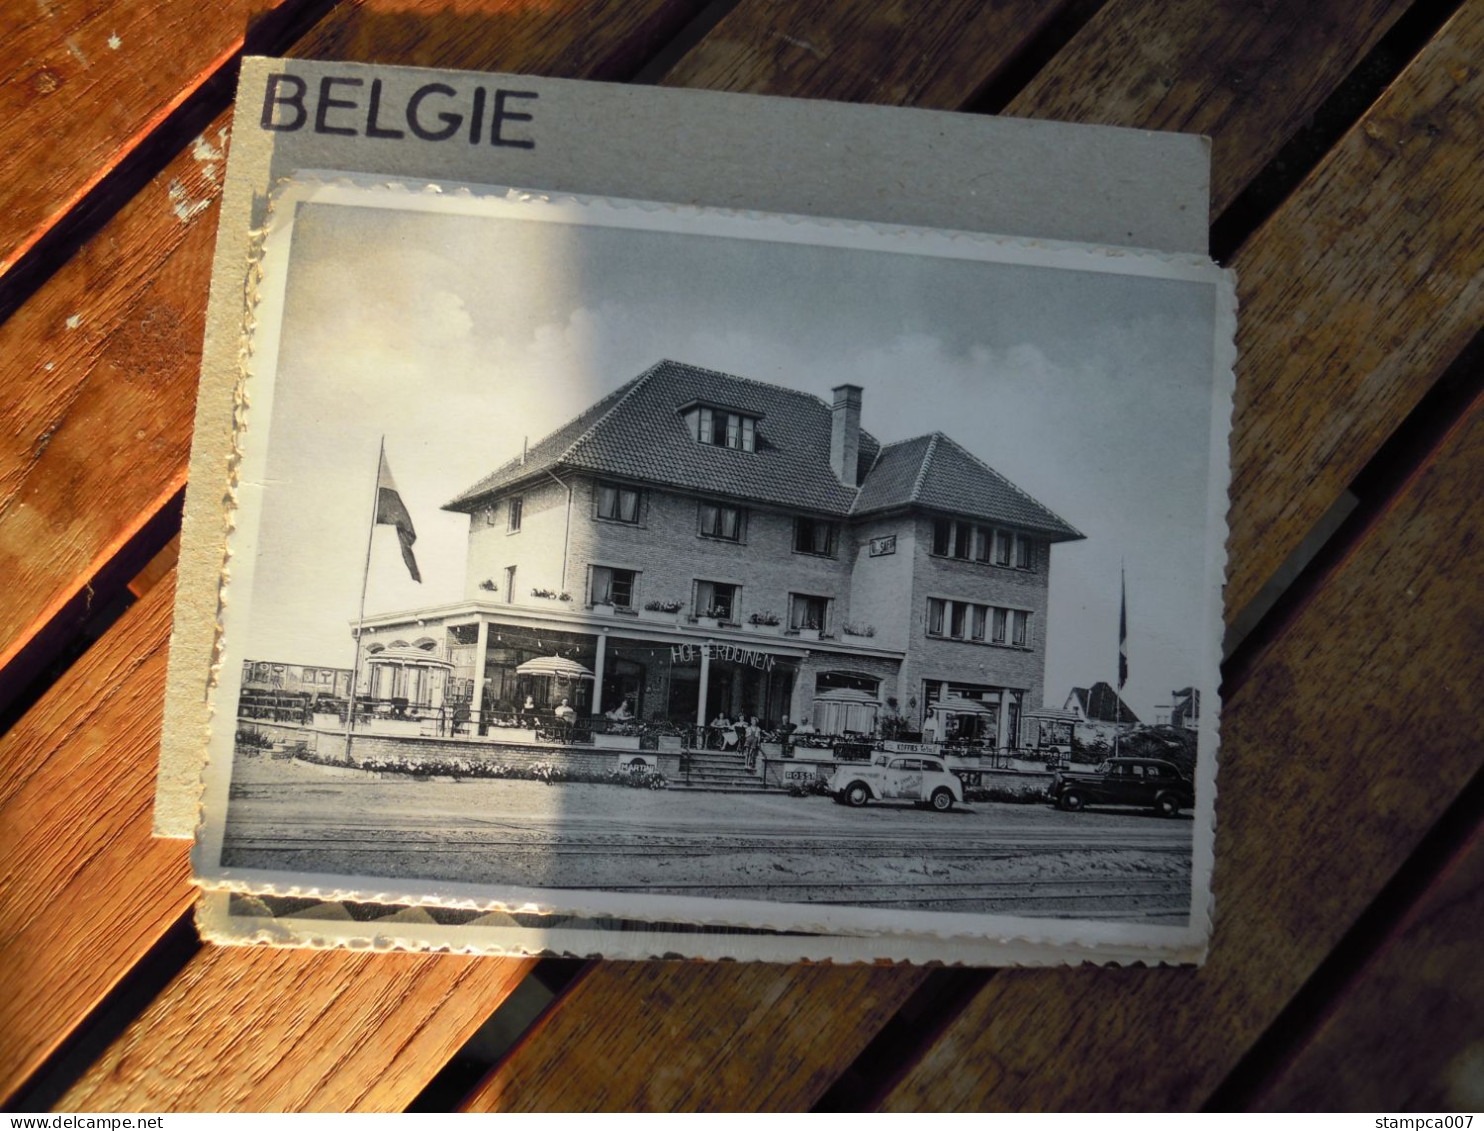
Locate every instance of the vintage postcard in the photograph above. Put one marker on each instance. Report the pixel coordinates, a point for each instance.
(609, 558)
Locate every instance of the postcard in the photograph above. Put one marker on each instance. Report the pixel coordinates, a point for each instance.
(630, 560)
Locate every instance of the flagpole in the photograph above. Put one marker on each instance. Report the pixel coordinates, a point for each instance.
(1122, 663)
(355, 670)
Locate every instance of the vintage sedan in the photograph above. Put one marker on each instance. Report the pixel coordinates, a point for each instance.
(1143, 782)
(905, 777)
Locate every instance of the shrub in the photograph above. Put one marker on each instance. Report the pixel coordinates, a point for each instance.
(1016, 795)
(424, 769)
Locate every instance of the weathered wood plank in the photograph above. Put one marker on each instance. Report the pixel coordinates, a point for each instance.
(263, 1029)
(1247, 77)
(697, 1037)
(1406, 1035)
(87, 889)
(100, 74)
(105, 356)
(937, 55)
(1320, 802)
(1355, 298)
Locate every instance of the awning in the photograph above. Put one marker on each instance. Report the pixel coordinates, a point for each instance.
(954, 705)
(407, 657)
(846, 695)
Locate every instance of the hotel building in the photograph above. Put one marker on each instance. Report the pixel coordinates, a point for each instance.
(706, 544)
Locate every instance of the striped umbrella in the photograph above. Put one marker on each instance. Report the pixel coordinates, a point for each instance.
(554, 665)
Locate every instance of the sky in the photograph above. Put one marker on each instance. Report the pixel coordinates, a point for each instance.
(457, 336)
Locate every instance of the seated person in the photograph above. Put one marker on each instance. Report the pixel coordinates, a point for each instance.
(565, 713)
(621, 713)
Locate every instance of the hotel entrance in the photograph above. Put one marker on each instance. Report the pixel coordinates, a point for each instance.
(740, 683)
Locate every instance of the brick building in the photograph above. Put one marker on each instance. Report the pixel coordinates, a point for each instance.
(707, 544)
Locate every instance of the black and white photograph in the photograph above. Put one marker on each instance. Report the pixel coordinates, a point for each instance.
(614, 558)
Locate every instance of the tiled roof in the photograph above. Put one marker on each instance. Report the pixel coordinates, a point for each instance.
(637, 432)
(1102, 704)
(936, 473)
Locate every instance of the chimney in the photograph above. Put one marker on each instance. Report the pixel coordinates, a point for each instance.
(845, 434)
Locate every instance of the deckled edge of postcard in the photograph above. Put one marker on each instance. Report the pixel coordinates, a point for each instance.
(237, 920)
(1097, 185)
(982, 937)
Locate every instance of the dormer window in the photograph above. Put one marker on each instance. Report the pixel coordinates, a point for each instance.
(724, 429)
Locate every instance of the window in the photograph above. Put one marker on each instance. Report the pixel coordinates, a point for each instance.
(517, 506)
(718, 521)
(716, 599)
(956, 620)
(814, 536)
(613, 587)
(728, 430)
(981, 615)
(935, 616)
(489, 514)
(982, 537)
(1000, 616)
(963, 540)
(1001, 548)
(1022, 552)
(808, 612)
(618, 504)
(1018, 635)
(942, 536)
(510, 585)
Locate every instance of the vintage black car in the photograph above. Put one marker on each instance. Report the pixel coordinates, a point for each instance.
(1143, 782)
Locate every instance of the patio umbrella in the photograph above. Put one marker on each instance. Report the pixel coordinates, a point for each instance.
(554, 665)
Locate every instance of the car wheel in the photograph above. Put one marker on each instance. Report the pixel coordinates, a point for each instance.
(857, 794)
(1071, 801)
(942, 800)
(1168, 805)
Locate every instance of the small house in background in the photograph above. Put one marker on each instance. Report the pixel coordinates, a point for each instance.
(1183, 710)
(1098, 713)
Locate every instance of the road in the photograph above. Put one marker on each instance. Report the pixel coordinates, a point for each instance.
(1014, 859)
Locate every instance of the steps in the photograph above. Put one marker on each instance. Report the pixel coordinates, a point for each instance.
(719, 771)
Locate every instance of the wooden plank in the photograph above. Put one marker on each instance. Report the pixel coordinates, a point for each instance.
(262, 1029)
(697, 1037)
(101, 74)
(936, 55)
(610, 992)
(1321, 799)
(1247, 78)
(1355, 298)
(88, 890)
(1406, 1034)
(106, 355)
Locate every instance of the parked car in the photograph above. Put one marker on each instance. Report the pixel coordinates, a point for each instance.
(923, 780)
(1125, 781)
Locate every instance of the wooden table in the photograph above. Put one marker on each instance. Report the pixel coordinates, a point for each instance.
(1345, 967)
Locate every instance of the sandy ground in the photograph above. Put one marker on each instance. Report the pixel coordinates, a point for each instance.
(1020, 859)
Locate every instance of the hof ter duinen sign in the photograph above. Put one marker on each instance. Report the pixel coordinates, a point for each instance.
(689, 653)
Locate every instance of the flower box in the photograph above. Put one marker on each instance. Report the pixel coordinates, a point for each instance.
(603, 610)
(616, 741)
(512, 734)
(328, 721)
(805, 633)
(763, 629)
(671, 744)
(659, 616)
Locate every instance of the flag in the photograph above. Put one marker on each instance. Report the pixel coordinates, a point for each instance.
(1122, 632)
(391, 510)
